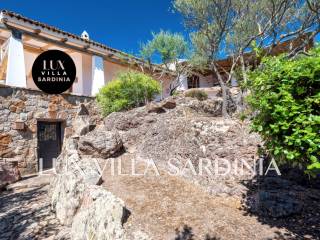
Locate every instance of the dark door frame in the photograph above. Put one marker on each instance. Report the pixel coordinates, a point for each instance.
(62, 123)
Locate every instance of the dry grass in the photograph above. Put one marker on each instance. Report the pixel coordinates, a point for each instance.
(161, 206)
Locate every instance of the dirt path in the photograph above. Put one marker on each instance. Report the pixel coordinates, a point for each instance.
(25, 211)
(168, 207)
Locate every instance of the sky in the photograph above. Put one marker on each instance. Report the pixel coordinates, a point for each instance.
(120, 24)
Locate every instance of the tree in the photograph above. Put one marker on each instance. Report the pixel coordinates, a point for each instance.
(230, 27)
(171, 49)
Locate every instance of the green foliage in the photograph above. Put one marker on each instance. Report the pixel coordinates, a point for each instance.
(198, 94)
(169, 47)
(129, 89)
(285, 97)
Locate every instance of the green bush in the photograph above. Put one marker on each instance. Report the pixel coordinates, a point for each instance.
(198, 94)
(129, 89)
(285, 98)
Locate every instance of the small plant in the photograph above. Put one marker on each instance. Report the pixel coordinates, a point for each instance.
(198, 94)
(242, 116)
(177, 93)
(285, 99)
(129, 89)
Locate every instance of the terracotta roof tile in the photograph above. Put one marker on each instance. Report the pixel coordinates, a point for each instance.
(71, 35)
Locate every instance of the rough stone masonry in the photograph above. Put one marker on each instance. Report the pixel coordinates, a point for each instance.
(20, 109)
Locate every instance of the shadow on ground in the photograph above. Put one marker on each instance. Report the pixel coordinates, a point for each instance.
(290, 201)
(187, 234)
(26, 215)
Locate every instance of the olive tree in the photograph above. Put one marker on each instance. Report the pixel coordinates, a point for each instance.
(171, 49)
(231, 27)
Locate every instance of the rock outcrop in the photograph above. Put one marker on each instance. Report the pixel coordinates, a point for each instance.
(181, 129)
(76, 197)
(189, 130)
(100, 143)
(100, 216)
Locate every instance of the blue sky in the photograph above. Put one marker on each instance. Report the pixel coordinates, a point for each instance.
(121, 24)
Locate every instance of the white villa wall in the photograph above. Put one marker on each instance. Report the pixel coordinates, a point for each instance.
(111, 70)
(183, 83)
(16, 71)
(87, 74)
(30, 57)
(77, 86)
(85, 67)
(98, 74)
(204, 82)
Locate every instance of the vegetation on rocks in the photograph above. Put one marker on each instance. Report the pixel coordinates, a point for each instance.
(285, 96)
(129, 89)
(198, 94)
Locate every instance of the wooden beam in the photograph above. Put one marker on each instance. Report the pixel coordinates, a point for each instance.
(69, 51)
(3, 39)
(26, 38)
(4, 20)
(69, 46)
(64, 40)
(32, 49)
(46, 47)
(37, 31)
(3, 68)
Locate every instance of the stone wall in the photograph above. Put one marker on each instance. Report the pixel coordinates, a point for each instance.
(23, 107)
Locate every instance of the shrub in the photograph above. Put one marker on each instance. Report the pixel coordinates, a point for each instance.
(129, 89)
(285, 98)
(198, 94)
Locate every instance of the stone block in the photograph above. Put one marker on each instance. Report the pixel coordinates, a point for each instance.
(52, 114)
(5, 139)
(18, 125)
(23, 116)
(9, 172)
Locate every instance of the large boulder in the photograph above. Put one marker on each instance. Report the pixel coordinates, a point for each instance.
(169, 104)
(100, 143)
(66, 195)
(83, 110)
(155, 108)
(209, 107)
(82, 125)
(100, 217)
(75, 189)
(73, 175)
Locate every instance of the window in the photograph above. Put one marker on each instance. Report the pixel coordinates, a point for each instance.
(193, 81)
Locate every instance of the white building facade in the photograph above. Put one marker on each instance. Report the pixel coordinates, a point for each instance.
(23, 39)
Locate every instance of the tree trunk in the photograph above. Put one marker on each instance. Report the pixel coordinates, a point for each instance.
(223, 86)
(245, 79)
(244, 72)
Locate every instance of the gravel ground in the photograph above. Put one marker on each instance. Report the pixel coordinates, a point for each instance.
(170, 207)
(25, 212)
